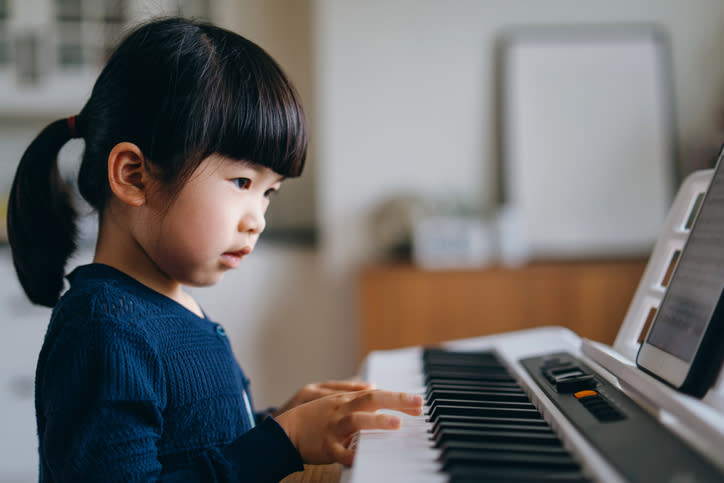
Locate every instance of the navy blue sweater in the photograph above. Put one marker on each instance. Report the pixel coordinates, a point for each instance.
(131, 386)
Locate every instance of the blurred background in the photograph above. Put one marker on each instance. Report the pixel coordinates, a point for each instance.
(475, 167)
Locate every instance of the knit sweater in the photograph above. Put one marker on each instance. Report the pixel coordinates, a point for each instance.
(131, 386)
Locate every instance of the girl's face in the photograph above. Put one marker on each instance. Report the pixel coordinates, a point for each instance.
(213, 222)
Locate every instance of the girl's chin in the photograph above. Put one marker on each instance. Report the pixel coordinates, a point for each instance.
(206, 278)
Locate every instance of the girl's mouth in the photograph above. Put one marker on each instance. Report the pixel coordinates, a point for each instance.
(232, 259)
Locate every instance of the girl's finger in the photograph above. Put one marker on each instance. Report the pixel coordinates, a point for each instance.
(398, 401)
(353, 422)
(322, 392)
(342, 454)
(346, 385)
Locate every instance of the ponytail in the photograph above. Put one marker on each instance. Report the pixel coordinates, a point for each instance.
(41, 218)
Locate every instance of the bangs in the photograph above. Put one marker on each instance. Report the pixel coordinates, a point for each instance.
(252, 112)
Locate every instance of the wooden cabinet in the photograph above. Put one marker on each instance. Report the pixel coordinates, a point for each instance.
(402, 305)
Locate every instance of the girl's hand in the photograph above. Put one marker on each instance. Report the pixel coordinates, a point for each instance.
(314, 391)
(322, 429)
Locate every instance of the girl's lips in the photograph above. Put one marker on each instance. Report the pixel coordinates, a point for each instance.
(232, 259)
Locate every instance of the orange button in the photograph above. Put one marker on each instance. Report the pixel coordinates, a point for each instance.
(586, 393)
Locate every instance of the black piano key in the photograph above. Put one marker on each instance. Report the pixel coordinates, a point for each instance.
(482, 367)
(496, 446)
(502, 458)
(473, 411)
(467, 474)
(475, 386)
(476, 395)
(439, 428)
(481, 404)
(468, 376)
(466, 368)
(536, 421)
(487, 385)
(524, 437)
(482, 370)
(430, 354)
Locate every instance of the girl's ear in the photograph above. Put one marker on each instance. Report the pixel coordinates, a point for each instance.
(128, 174)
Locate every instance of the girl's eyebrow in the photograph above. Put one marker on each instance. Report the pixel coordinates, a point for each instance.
(259, 168)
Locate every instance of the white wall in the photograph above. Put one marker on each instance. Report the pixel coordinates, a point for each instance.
(408, 94)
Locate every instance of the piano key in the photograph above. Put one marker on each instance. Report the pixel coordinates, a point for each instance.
(468, 474)
(503, 458)
(488, 385)
(472, 411)
(468, 376)
(475, 386)
(489, 426)
(496, 446)
(466, 365)
(477, 395)
(481, 404)
(473, 420)
(529, 437)
(431, 354)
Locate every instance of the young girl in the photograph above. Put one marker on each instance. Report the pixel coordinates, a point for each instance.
(188, 131)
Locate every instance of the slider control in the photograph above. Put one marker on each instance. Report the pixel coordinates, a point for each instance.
(568, 377)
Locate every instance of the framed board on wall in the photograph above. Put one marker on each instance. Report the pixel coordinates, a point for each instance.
(588, 151)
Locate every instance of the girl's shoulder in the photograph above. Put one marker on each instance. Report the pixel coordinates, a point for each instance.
(108, 292)
(106, 304)
(96, 339)
(102, 301)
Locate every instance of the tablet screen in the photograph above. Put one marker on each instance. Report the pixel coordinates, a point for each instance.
(697, 282)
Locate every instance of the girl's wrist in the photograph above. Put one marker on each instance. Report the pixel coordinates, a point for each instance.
(286, 421)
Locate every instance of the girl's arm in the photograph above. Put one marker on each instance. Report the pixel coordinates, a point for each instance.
(119, 443)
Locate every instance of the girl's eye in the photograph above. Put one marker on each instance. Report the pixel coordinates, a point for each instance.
(268, 193)
(241, 183)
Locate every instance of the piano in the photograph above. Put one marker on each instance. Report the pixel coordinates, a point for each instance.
(547, 405)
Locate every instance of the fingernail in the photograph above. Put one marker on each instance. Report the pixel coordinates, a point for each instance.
(394, 422)
(415, 399)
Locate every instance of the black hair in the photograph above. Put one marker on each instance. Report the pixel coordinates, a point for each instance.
(178, 89)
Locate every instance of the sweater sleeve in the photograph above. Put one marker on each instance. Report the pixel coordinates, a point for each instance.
(101, 402)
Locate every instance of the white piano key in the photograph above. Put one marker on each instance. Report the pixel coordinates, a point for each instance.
(403, 455)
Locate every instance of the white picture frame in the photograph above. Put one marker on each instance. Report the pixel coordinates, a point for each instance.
(588, 150)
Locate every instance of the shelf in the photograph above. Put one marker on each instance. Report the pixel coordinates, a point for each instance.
(402, 305)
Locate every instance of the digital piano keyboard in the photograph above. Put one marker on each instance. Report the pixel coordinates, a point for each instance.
(531, 406)
(547, 405)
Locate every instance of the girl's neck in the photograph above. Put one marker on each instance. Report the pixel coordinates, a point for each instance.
(116, 248)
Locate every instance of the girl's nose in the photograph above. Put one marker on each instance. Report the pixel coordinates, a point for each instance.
(252, 221)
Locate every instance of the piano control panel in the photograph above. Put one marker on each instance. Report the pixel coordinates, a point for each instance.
(568, 375)
(630, 438)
